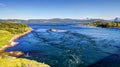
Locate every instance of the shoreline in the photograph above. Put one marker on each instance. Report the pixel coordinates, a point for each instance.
(98, 27)
(13, 42)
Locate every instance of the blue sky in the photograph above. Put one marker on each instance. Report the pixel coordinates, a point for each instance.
(44, 9)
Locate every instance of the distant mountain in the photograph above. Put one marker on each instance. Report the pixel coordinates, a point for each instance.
(116, 19)
(54, 20)
(12, 20)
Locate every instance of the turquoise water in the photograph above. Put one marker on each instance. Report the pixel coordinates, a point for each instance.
(82, 46)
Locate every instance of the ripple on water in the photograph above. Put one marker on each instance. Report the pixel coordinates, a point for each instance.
(65, 49)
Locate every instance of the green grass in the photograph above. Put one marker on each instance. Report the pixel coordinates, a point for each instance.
(105, 24)
(5, 36)
(8, 61)
(14, 28)
(7, 31)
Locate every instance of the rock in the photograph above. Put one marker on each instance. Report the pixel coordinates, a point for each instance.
(16, 53)
(13, 53)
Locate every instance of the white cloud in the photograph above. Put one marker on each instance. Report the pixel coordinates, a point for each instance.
(2, 5)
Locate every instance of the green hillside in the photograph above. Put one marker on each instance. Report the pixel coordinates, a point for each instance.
(7, 61)
(5, 36)
(7, 31)
(105, 24)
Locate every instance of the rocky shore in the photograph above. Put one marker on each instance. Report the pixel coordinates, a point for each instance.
(12, 43)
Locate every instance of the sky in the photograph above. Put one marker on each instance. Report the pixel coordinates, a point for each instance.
(46, 9)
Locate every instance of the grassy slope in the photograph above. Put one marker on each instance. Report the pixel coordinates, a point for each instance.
(8, 61)
(19, 62)
(5, 36)
(8, 30)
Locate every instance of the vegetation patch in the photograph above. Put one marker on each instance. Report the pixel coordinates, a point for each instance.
(5, 36)
(8, 61)
(7, 31)
(14, 28)
(105, 24)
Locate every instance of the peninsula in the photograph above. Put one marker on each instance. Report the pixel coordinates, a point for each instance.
(9, 32)
(105, 24)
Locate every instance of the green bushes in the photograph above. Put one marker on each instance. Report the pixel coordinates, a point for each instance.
(7, 30)
(7, 61)
(14, 28)
(105, 24)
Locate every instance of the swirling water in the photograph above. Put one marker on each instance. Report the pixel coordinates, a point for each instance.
(82, 46)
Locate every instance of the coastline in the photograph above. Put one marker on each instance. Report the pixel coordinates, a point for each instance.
(13, 42)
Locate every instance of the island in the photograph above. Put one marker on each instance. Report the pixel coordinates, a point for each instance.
(104, 24)
(9, 32)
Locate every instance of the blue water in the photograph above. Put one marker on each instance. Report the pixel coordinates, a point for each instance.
(82, 46)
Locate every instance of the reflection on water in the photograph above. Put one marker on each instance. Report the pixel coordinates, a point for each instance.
(81, 47)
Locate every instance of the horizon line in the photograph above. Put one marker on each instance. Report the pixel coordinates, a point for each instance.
(53, 18)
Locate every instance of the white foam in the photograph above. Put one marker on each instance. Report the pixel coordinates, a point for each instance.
(57, 30)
